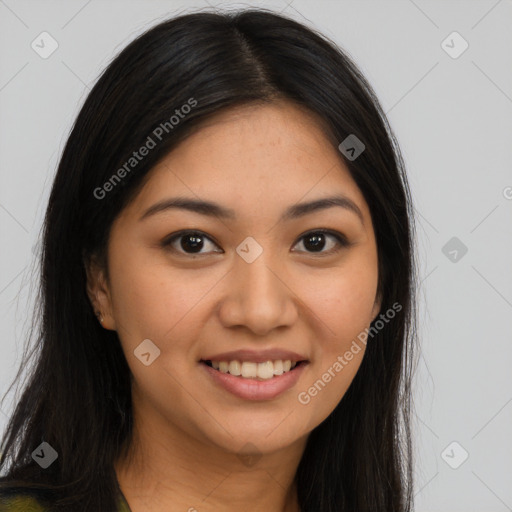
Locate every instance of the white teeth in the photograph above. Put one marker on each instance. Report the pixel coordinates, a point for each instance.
(266, 370)
(278, 367)
(250, 370)
(235, 368)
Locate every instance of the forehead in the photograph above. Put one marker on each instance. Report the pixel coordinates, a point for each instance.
(252, 157)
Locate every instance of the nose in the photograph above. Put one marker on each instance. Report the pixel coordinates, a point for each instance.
(258, 297)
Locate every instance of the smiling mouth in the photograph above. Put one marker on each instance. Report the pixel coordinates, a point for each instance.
(256, 371)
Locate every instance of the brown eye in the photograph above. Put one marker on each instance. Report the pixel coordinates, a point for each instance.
(321, 242)
(317, 241)
(189, 242)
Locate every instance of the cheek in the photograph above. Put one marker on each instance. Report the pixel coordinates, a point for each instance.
(148, 300)
(344, 300)
(346, 311)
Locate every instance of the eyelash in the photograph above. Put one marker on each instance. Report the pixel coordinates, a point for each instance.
(340, 238)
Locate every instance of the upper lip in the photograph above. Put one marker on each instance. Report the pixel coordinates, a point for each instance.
(257, 356)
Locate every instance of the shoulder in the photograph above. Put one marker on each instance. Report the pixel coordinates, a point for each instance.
(16, 497)
(29, 499)
(14, 500)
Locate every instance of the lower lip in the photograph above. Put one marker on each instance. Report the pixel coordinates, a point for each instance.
(252, 389)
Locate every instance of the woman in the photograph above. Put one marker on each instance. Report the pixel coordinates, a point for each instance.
(227, 286)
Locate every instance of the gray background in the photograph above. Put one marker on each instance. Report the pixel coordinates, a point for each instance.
(453, 119)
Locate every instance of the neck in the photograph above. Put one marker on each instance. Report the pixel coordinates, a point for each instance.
(168, 469)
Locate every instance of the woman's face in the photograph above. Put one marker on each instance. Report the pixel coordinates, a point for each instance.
(255, 282)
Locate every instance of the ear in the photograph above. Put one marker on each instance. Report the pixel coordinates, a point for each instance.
(98, 291)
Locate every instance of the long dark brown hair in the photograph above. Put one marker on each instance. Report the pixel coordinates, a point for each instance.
(78, 394)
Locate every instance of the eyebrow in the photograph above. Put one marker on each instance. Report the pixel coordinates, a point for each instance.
(212, 209)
